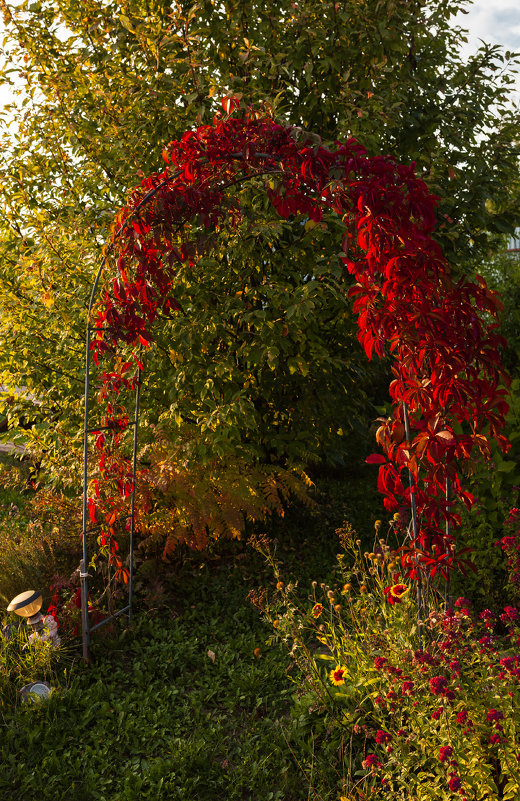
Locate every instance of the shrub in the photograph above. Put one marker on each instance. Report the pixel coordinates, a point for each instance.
(422, 710)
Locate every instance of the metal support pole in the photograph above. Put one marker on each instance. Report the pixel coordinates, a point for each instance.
(448, 533)
(84, 609)
(85, 633)
(132, 508)
(415, 529)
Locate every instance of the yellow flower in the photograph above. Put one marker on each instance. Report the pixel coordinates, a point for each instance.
(336, 675)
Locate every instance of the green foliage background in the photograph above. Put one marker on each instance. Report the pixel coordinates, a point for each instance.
(266, 363)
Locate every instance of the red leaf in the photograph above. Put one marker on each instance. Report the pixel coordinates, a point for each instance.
(92, 510)
(375, 458)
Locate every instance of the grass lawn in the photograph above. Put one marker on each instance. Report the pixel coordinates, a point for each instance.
(182, 705)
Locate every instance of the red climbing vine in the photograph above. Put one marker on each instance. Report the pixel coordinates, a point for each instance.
(445, 350)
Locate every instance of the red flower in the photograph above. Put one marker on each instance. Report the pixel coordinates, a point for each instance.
(383, 737)
(317, 609)
(454, 782)
(488, 617)
(395, 593)
(494, 715)
(445, 751)
(510, 614)
(379, 662)
(438, 685)
(372, 762)
(438, 712)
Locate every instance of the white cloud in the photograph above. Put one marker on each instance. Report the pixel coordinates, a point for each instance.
(494, 22)
(497, 23)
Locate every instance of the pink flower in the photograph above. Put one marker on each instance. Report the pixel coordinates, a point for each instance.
(445, 751)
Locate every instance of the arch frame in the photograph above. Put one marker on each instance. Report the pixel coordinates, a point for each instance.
(448, 385)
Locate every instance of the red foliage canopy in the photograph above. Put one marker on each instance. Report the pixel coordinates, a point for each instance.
(446, 366)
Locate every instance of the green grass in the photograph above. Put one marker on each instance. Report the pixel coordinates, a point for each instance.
(154, 717)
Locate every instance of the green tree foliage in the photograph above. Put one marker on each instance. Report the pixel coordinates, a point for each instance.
(100, 88)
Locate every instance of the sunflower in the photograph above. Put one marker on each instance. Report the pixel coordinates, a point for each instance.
(336, 675)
